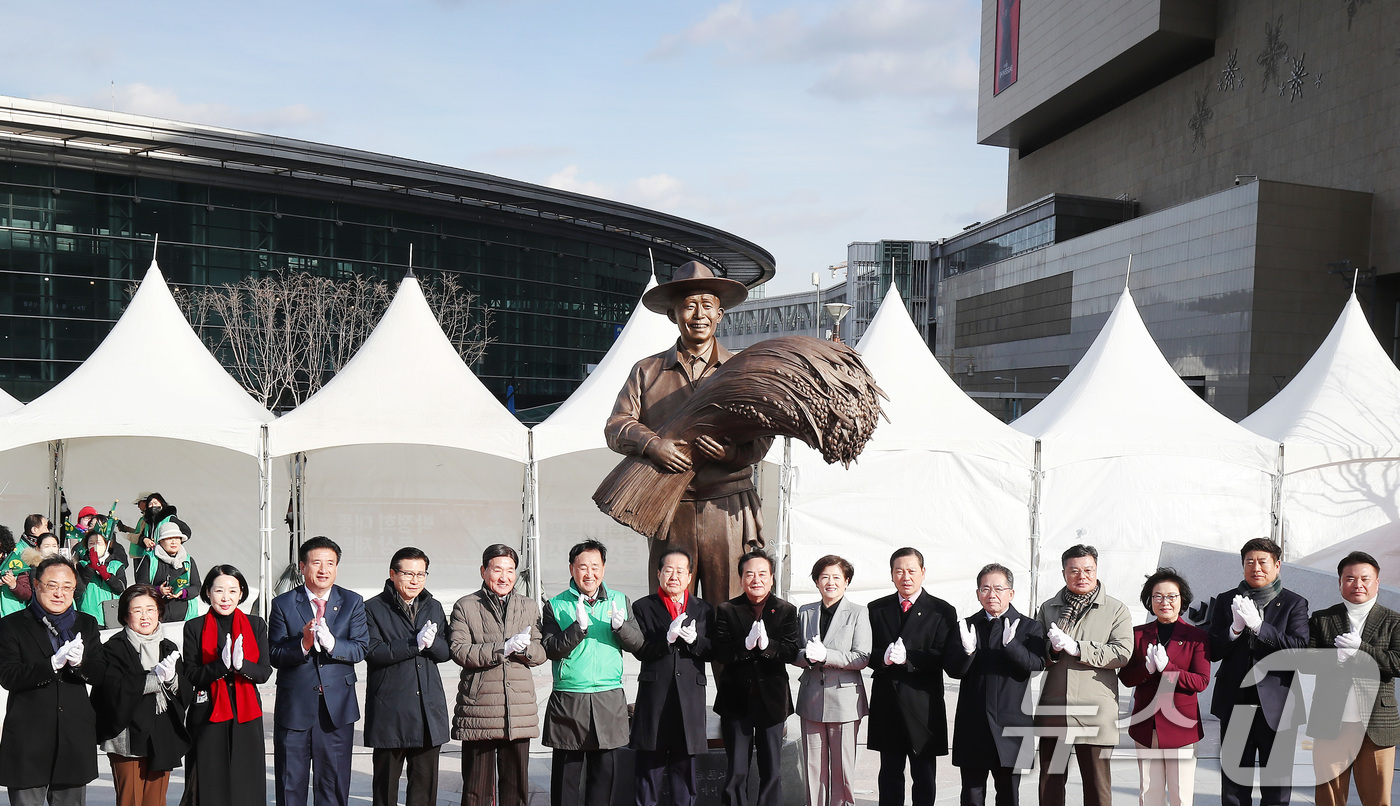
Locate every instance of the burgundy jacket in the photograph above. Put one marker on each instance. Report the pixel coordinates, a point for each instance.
(1177, 720)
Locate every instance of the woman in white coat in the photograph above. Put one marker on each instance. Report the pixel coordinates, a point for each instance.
(831, 700)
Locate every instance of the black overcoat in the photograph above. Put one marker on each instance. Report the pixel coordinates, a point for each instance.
(121, 703)
(404, 699)
(1285, 626)
(228, 762)
(907, 712)
(993, 695)
(664, 666)
(50, 733)
(754, 683)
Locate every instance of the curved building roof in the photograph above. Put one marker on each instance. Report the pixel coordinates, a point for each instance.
(80, 135)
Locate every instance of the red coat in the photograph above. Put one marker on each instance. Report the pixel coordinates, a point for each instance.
(1180, 724)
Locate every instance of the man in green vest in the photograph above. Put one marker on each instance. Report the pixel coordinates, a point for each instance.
(585, 630)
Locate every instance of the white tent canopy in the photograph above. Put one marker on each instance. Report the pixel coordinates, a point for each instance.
(1132, 457)
(150, 409)
(572, 458)
(406, 447)
(942, 472)
(8, 402)
(1339, 422)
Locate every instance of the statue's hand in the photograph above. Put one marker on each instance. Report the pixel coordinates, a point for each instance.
(714, 449)
(671, 455)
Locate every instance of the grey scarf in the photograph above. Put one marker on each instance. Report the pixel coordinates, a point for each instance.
(177, 560)
(148, 649)
(1262, 596)
(1076, 605)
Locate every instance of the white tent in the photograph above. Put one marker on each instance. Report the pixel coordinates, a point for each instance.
(8, 402)
(21, 491)
(1131, 457)
(150, 409)
(1339, 422)
(404, 446)
(572, 458)
(942, 475)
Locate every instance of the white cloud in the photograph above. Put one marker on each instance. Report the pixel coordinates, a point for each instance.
(568, 179)
(160, 102)
(864, 48)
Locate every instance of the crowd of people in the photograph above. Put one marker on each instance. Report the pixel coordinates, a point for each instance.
(152, 704)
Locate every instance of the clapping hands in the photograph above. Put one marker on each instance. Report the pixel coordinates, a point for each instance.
(427, 635)
(757, 637)
(1348, 644)
(165, 669)
(517, 643)
(896, 654)
(815, 652)
(1060, 641)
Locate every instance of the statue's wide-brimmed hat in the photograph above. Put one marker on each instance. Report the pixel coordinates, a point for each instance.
(694, 278)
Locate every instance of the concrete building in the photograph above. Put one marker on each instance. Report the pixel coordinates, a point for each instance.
(1251, 149)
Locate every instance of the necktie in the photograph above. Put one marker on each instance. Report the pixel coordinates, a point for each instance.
(320, 605)
(904, 605)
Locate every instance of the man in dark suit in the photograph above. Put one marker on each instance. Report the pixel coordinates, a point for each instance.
(755, 638)
(49, 653)
(406, 719)
(1354, 723)
(910, 633)
(997, 653)
(1247, 624)
(668, 722)
(317, 632)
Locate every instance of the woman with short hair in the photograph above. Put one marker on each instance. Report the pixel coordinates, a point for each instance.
(140, 702)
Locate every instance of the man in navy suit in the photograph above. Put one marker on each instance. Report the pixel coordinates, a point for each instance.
(317, 633)
(1247, 624)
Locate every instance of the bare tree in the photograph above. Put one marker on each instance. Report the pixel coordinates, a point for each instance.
(283, 335)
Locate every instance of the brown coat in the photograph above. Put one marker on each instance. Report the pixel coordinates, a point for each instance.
(496, 695)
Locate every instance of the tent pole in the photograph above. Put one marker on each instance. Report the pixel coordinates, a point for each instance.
(1276, 506)
(56, 452)
(264, 522)
(784, 519)
(532, 524)
(1037, 475)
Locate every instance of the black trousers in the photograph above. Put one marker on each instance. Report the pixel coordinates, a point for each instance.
(594, 768)
(422, 775)
(922, 770)
(974, 786)
(497, 769)
(1259, 746)
(741, 738)
(676, 765)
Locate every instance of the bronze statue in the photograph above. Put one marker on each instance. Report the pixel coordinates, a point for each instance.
(694, 419)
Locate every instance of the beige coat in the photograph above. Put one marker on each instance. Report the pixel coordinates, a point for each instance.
(1081, 694)
(496, 695)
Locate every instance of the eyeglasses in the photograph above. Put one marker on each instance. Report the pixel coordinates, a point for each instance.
(1166, 597)
(413, 574)
(997, 589)
(56, 586)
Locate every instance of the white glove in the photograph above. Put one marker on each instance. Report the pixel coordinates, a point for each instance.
(1348, 644)
(968, 633)
(226, 654)
(1159, 656)
(1149, 658)
(75, 651)
(517, 643)
(1251, 615)
(324, 637)
(815, 651)
(581, 614)
(237, 654)
(688, 633)
(165, 670)
(61, 656)
(762, 636)
(427, 635)
(1237, 622)
(751, 640)
(1008, 632)
(1061, 642)
(674, 631)
(616, 615)
(896, 654)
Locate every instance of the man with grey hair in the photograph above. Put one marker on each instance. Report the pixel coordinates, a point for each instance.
(998, 653)
(1090, 636)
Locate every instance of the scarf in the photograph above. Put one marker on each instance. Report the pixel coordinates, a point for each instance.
(1076, 605)
(1262, 596)
(671, 607)
(60, 626)
(179, 560)
(245, 693)
(148, 648)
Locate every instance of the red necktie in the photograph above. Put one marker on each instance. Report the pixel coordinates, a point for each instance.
(320, 608)
(905, 604)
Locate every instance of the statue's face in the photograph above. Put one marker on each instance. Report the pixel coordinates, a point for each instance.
(697, 316)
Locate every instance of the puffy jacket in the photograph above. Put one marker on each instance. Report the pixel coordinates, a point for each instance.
(496, 695)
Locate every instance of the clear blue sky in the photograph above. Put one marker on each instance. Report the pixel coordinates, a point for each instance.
(801, 126)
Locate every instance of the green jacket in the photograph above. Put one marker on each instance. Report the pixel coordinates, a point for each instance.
(14, 564)
(588, 659)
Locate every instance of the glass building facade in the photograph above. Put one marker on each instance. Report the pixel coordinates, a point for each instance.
(75, 237)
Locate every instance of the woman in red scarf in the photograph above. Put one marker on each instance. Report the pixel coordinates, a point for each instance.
(226, 656)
